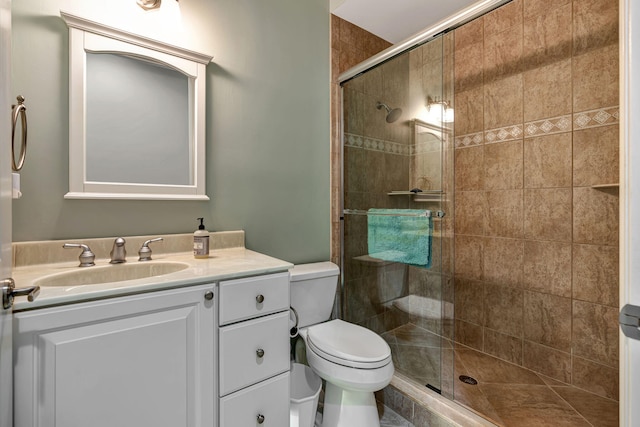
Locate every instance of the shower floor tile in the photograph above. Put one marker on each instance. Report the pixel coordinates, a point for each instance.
(527, 405)
(506, 394)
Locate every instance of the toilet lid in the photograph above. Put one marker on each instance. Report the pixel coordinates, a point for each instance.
(348, 344)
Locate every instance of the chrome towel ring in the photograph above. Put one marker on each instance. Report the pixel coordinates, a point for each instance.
(19, 110)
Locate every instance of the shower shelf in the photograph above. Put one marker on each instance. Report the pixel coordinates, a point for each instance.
(422, 196)
(412, 193)
(605, 186)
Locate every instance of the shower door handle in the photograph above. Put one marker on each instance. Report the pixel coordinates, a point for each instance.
(630, 321)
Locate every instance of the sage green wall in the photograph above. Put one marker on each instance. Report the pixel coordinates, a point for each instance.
(267, 124)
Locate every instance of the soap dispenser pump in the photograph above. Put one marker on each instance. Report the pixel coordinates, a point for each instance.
(201, 241)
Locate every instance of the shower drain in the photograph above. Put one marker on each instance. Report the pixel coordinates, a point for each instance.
(468, 380)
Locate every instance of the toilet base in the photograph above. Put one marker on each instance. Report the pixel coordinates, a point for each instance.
(347, 408)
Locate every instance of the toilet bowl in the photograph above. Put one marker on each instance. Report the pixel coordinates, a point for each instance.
(354, 361)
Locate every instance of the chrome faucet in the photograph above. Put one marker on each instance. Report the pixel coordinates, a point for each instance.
(145, 251)
(118, 252)
(86, 258)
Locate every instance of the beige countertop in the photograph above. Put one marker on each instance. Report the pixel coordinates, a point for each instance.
(222, 264)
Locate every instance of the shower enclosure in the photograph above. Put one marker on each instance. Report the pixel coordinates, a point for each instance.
(536, 212)
(398, 169)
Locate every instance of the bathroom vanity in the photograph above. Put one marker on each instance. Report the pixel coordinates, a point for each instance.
(205, 346)
(140, 360)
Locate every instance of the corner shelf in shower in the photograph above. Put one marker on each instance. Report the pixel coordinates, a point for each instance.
(605, 186)
(421, 196)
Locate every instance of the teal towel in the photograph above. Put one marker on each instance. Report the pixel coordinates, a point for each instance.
(400, 238)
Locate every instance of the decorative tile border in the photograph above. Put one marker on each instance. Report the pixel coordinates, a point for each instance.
(596, 118)
(373, 144)
(582, 120)
(469, 140)
(548, 126)
(509, 133)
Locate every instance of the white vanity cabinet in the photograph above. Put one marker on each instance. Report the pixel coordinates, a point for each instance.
(133, 361)
(253, 362)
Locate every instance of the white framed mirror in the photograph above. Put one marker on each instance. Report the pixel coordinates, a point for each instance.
(136, 116)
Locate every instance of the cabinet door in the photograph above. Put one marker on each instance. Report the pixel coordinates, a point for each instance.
(144, 360)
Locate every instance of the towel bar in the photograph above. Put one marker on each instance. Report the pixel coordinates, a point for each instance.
(427, 213)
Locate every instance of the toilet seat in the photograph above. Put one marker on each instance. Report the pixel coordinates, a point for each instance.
(349, 345)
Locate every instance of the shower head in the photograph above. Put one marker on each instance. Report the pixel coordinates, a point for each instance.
(392, 115)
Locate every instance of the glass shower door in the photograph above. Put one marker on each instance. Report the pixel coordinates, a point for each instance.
(397, 179)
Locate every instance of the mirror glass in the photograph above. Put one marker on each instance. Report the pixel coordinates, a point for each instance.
(426, 164)
(136, 116)
(137, 122)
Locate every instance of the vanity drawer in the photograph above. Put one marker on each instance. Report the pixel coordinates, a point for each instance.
(269, 399)
(253, 351)
(254, 296)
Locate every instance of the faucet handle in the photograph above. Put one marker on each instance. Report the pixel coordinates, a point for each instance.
(145, 251)
(86, 258)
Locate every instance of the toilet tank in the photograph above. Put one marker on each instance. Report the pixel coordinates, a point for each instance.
(313, 290)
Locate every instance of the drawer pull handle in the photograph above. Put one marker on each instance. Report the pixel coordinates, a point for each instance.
(260, 418)
(260, 299)
(260, 353)
(208, 295)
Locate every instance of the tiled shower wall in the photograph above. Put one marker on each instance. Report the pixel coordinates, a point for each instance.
(536, 246)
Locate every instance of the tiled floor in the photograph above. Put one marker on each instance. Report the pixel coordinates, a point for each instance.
(507, 394)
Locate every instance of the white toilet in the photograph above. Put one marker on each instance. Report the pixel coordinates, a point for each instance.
(353, 360)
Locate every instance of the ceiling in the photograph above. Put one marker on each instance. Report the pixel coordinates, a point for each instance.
(396, 20)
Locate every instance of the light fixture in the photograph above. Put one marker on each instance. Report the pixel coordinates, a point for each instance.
(149, 4)
(440, 110)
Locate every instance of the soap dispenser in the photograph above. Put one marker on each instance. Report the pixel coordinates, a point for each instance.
(201, 241)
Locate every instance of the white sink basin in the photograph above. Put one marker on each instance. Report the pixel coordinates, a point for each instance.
(110, 273)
